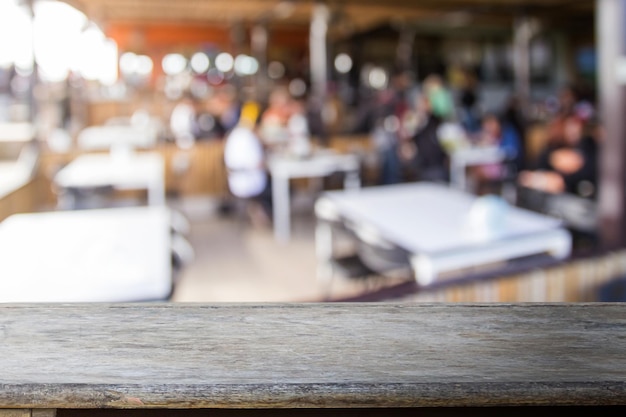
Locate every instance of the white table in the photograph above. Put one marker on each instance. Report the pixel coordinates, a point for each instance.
(124, 171)
(95, 138)
(464, 157)
(16, 132)
(320, 164)
(108, 255)
(432, 223)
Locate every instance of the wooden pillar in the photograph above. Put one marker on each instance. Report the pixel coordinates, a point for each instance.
(258, 39)
(318, 50)
(524, 29)
(238, 39)
(34, 79)
(318, 57)
(611, 38)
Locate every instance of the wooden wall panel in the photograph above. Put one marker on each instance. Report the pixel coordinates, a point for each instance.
(576, 281)
(26, 199)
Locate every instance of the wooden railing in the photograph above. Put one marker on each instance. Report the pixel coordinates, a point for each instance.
(434, 357)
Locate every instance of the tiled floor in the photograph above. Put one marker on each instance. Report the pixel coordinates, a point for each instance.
(235, 262)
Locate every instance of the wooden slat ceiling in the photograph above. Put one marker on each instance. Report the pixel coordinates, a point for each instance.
(358, 14)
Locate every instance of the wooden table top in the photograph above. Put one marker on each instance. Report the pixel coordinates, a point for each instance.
(311, 355)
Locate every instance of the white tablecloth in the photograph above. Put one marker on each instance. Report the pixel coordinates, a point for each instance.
(111, 255)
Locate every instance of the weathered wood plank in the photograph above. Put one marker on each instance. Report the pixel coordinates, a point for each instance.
(14, 413)
(311, 355)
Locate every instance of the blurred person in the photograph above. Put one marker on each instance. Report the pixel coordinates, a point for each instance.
(273, 124)
(226, 107)
(183, 121)
(299, 140)
(567, 100)
(391, 108)
(431, 160)
(244, 157)
(208, 125)
(469, 113)
(512, 117)
(496, 132)
(440, 99)
(567, 164)
(395, 124)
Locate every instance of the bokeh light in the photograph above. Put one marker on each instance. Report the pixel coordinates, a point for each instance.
(200, 63)
(246, 65)
(174, 64)
(343, 63)
(57, 30)
(377, 78)
(16, 36)
(224, 62)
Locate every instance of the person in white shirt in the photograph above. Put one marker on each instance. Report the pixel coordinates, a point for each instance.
(244, 157)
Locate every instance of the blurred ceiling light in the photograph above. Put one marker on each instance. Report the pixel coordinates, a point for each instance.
(136, 67)
(200, 62)
(97, 56)
(343, 63)
(56, 29)
(144, 65)
(377, 78)
(246, 65)
(88, 43)
(275, 70)
(129, 64)
(16, 36)
(174, 64)
(224, 62)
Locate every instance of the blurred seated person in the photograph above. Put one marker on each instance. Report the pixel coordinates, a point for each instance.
(567, 164)
(469, 112)
(273, 127)
(244, 158)
(495, 132)
(299, 137)
(218, 114)
(284, 126)
(430, 157)
(228, 107)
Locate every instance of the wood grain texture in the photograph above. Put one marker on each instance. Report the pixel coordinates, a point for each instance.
(311, 355)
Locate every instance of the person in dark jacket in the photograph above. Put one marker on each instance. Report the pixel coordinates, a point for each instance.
(431, 159)
(568, 165)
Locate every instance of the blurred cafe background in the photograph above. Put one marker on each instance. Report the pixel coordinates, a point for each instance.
(312, 150)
